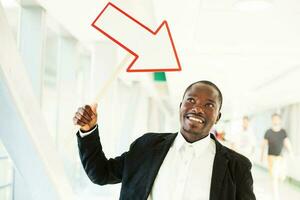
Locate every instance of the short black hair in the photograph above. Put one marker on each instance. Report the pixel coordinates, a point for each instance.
(276, 115)
(246, 118)
(206, 83)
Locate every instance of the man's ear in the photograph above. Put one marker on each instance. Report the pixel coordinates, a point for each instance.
(219, 117)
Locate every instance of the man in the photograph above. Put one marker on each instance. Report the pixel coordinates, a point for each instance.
(244, 143)
(276, 138)
(190, 164)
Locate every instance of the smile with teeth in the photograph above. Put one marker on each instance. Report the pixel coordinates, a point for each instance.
(195, 119)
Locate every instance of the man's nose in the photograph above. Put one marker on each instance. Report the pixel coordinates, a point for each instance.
(198, 109)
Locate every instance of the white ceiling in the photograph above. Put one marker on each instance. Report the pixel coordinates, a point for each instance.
(253, 56)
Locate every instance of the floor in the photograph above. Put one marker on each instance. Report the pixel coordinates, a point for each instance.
(263, 191)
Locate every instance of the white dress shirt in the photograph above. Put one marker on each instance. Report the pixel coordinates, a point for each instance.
(186, 171)
(86, 133)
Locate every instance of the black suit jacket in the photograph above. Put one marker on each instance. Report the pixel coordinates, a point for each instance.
(137, 168)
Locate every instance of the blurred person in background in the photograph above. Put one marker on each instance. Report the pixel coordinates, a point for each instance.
(190, 164)
(244, 142)
(276, 138)
(221, 136)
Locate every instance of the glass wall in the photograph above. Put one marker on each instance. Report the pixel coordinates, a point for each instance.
(6, 175)
(12, 13)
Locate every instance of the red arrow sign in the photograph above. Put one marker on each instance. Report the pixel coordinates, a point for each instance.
(153, 51)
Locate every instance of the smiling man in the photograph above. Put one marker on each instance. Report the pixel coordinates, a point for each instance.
(199, 110)
(190, 164)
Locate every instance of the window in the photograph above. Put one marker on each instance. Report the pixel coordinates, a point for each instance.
(6, 175)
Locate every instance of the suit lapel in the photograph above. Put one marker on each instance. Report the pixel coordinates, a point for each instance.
(157, 155)
(219, 170)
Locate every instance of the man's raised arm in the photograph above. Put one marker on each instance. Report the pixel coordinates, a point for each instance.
(99, 169)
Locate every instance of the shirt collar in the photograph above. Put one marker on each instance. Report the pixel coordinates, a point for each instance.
(199, 147)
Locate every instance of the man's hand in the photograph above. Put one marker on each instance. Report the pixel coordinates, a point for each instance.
(86, 117)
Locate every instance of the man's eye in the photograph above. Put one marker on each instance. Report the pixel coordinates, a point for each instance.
(190, 100)
(210, 105)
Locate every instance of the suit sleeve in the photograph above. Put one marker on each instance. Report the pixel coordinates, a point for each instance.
(245, 185)
(99, 169)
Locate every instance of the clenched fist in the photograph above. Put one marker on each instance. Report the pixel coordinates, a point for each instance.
(86, 117)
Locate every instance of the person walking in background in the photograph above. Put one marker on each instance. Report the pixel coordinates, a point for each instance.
(245, 141)
(276, 138)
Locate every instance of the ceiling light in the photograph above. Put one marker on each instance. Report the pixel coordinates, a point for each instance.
(9, 3)
(253, 5)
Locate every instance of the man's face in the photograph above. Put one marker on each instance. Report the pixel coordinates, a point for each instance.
(245, 123)
(199, 111)
(276, 121)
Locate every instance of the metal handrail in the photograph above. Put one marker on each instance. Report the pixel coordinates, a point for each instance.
(5, 185)
(4, 157)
